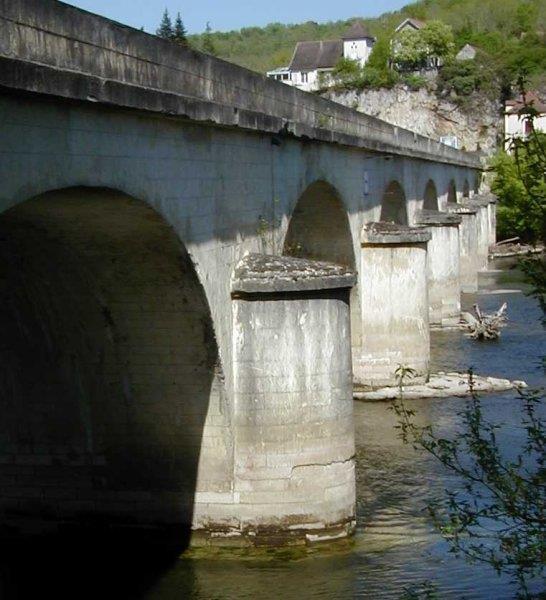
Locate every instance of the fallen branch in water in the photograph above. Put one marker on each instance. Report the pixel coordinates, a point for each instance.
(485, 326)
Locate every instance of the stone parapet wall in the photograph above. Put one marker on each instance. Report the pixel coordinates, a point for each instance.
(53, 48)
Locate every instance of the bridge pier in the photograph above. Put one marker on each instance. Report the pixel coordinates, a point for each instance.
(395, 311)
(443, 265)
(294, 479)
(482, 229)
(468, 237)
(492, 216)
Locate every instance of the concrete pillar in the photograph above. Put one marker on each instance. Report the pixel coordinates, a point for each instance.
(294, 432)
(481, 205)
(393, 283)
(443, 265)
(492, 216)
(468, 246)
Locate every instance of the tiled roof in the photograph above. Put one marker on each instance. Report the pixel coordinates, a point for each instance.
(415, 23)
(309, 56)
(531, 99)
(357, 31)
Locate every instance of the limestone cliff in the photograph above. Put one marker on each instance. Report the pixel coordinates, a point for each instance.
(477, 125)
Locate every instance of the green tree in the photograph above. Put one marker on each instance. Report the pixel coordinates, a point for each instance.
(438, 39)
(521, 187)
(165, 29)
(180, 35)
(411, 48)
(208, 44)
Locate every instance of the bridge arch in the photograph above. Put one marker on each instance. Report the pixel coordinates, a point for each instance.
(452, 192)
(319, 229)
(466, 189)
(393, 204)
(108, 358)
(430, 197)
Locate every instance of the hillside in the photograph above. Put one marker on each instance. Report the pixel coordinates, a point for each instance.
(511, 32)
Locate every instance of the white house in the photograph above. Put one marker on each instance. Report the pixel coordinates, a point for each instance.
(516, 125)
(312, 62)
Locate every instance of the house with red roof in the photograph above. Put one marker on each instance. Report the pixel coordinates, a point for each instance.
(517, 121)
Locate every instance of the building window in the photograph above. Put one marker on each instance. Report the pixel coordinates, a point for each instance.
(304, 78)
(285, 76)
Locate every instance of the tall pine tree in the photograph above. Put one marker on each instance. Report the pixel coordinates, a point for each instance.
(180, 34)
(208, 44)
(165, 29)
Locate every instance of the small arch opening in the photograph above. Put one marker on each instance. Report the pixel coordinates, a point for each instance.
(319, 230)
(430, 198)
(452, 192)
(393, 204)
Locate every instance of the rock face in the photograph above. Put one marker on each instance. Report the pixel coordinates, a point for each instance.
(478, 128)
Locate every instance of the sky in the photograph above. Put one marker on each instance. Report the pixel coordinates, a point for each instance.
(225, 16)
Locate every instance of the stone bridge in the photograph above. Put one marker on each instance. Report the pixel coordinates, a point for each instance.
(192, 271)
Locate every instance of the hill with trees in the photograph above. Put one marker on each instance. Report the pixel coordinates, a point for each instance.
(510, 34)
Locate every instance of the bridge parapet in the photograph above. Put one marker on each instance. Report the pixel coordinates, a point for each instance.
(55, 49)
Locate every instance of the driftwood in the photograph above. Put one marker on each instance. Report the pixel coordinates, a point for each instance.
(484, 326)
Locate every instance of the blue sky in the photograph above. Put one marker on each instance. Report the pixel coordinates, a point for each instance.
(234, 14)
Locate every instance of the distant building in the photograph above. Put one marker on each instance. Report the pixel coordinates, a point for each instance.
(414, 24)
(516, 125)
(312, 62)
(467, 52)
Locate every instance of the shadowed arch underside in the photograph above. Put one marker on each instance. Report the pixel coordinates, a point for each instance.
(430, 199)
(452, 192)
(108, 359)
(319, 230)
(393, 205)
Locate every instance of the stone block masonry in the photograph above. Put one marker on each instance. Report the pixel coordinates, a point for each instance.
(395, 307)
(468, 237)
(293, 424)
(443, 266)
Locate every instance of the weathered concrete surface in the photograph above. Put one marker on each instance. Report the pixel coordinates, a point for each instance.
(482, 228)
(492, 217)
(440, 385)
(468, 244)
(53, 48)
(395, 322)
(443, 265)
(293, 422)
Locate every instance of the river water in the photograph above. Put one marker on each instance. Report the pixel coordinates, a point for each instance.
(395, 549)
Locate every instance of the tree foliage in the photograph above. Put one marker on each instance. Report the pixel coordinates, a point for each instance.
(208, 44)
(165, 29)
(521, 187)
(497, 515)
(412, 48)
(179, 34)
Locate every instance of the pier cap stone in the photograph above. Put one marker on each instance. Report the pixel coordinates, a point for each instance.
(463, 209)
(436, 217)
(266, 274)
(477, 202)
(392, 233)
(489, 197)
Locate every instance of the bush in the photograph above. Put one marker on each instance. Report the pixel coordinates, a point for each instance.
(519, 183)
